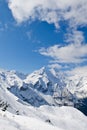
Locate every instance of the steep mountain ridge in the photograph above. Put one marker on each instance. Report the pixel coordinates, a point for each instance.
(42, 87)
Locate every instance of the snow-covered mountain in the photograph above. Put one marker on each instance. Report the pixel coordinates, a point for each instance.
(32, 101)
(78, 87)
(44, 87)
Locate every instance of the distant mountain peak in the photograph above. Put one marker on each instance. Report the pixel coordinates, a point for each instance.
(42, 87)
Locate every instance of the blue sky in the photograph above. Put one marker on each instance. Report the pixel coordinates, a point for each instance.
(32, 36)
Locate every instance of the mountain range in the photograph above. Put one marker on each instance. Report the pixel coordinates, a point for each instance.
(43, 90)
(45, 87)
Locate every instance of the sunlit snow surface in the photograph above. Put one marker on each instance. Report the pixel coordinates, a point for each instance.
(44, 118)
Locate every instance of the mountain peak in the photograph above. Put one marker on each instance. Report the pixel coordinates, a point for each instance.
(41, 71)
(44, 86)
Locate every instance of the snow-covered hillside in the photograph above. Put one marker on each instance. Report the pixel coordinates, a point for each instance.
(31, 102)
(44, 118)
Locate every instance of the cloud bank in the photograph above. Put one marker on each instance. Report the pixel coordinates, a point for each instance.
(78, 71)
(74, 12)
(72, 53)
(51, 11)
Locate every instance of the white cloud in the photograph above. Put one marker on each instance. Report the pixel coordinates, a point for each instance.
(51, 11)
(55, 66)
(74, 12)
(75, 37)
(79, 71)
(72, 53)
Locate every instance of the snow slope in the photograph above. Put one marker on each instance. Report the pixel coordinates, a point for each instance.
(48, 117)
